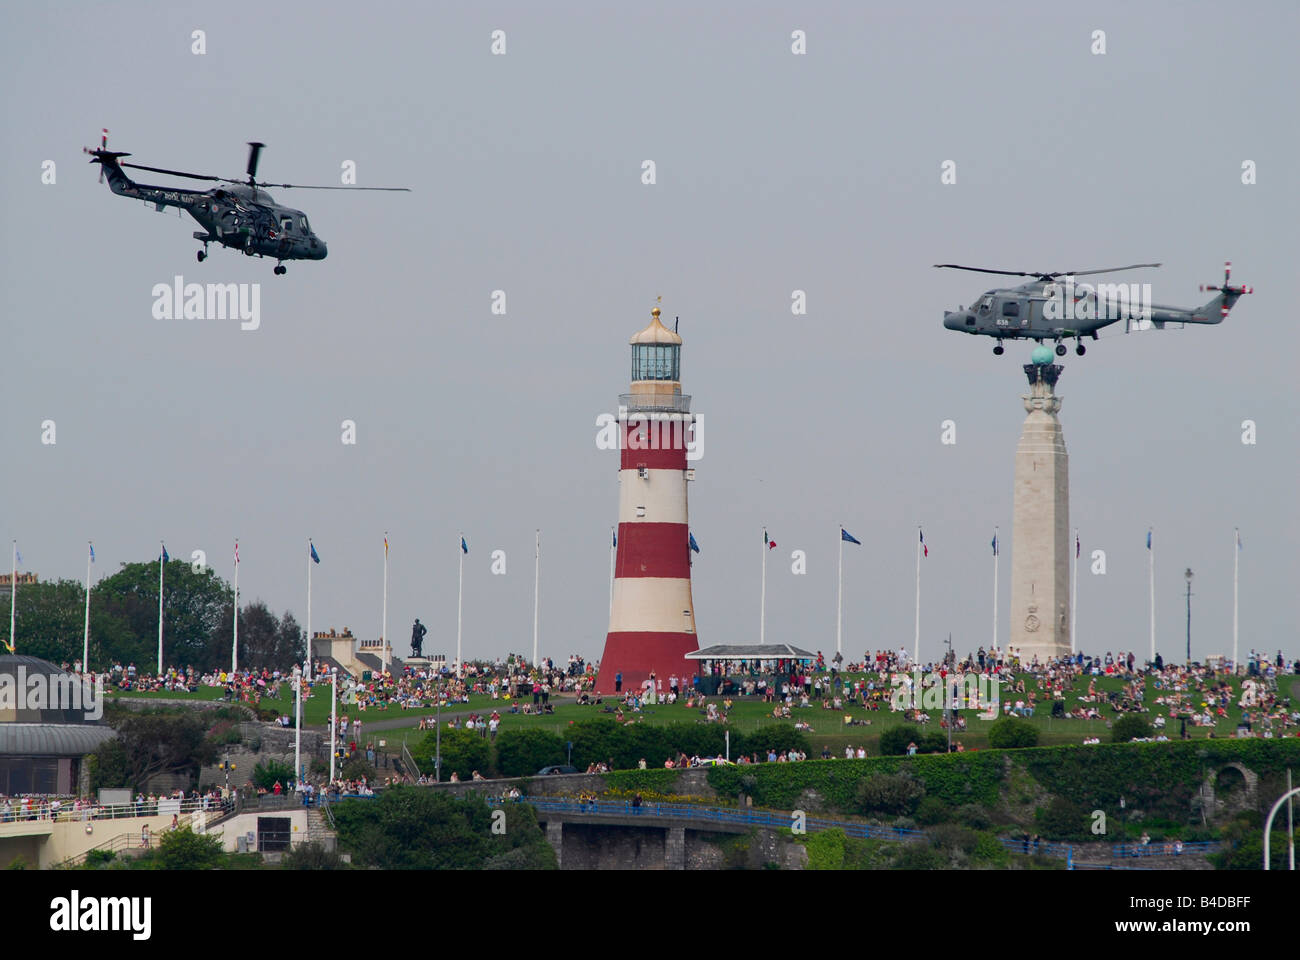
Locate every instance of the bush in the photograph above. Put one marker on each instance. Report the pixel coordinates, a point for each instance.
(184, 849)
(773, 736)
(310, 856)
(267, 773)
(920, 856)
(99, 858)
(954, 838)
(931, 810)
(1010, 733)
(1131, 726)
(890, 793)
(358, 767)
(894, 741)
(988, 849)
(825, 849)
(974, 816)
(1063, 819)
(521, 752)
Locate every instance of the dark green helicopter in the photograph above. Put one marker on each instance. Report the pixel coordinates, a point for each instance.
(1052, 306)
(238, 215)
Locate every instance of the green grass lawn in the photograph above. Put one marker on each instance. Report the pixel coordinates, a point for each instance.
(829, 729)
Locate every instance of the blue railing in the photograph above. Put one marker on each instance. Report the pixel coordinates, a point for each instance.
(1164, 848)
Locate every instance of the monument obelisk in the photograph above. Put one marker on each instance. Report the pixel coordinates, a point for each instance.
(1040, 537)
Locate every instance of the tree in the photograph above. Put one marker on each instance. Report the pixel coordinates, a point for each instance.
(463, 751)
(269, 772)
(522, 751)
(413, 828)
(1009, 733)
(183, 849)
(1131, 726)
(152, 742)
(48, 620)
(192, 609)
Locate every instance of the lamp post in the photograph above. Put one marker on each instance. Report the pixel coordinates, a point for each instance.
(1188, 576)
(227, 766)
(952, 713)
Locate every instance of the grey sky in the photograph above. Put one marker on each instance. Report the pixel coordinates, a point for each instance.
(775, 172)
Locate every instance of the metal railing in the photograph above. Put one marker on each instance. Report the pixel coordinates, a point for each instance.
(1164, 848)
(657, 402)
(65, 813)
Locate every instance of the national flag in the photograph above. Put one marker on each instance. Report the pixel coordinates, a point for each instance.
(1148, 539)
(694, 546)
(166, 557)
(92, 553)
(923, 546)
(995, 544)
(1238, 539)
(236, 551)
(771, 544)
(20, 556)
(385, 544)
(845, 535)
(464, 547)
(314, 555)
(613, 542)
(1077, 548)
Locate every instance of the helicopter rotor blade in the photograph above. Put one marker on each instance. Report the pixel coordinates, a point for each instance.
(174, 173)
(1006, 273)
(1084, 273)
(254, 151)
(300, 186)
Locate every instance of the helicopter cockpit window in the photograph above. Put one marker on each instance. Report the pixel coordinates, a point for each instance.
(287, 224)
(985, 303)
(1011, 309)
(302, 222)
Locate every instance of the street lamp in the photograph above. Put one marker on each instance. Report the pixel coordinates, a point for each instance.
(1188, 576)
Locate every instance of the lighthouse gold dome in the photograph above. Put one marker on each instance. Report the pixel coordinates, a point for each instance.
(656, 332)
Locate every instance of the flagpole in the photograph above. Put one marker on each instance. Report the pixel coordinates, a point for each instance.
(460, 601)
(997, 553)
(916, 646)
(161, 566)
(537, 586)
(309, 670)
(297, 728)
(1074, 594)
(1236, 564)
(762, 596)
(839, 602)
(383, 634)
(1151, 560)
(13, 593)
(234, 646)
(334, 719)
(85, 636)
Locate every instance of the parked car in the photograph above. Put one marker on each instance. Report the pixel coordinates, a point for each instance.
(557, 768)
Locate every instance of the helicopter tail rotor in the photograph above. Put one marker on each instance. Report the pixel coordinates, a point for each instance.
(1228, 294)
(103, 153)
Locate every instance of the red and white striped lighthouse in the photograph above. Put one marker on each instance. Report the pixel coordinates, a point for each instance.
(652, 616)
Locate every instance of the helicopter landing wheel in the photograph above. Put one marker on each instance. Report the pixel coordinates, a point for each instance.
(998, 350)
(280, 270)
(1060, 349)
(1080, 349)
(202, 255)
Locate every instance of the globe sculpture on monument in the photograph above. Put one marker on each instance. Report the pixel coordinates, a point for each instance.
(1040, 599)
(652, 616)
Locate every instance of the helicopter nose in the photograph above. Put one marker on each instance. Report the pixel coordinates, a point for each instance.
(322, 249)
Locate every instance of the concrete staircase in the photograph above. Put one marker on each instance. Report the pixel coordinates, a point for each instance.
(319, 829)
